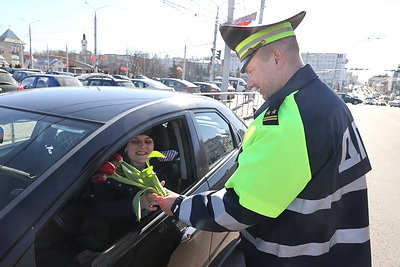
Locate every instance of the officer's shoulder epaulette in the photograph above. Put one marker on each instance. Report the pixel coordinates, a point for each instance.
(271, 115)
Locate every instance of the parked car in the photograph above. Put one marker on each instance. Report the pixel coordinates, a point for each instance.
(230, 89)
(209, 88)
(239, 84)
(85, 76)
(381, 102)
(394, 103)
(60, 73)
(139, 77)
(18, 75)
(150, 84)
(181, 85)
(107, 81)
(121, 77)
(369, 101)
(349, 99)
(56, 139)
(49, 80)
(8, 83)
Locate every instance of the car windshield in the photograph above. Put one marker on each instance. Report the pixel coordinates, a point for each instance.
(30, 144)
(6, 79)
(67, 81)
(125, 84)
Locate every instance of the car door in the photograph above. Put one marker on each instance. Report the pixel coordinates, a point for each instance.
(152, 241)
(219, 145)
(28, 82)
(200, 168)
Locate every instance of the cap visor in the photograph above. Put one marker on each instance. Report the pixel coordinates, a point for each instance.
(246, 61)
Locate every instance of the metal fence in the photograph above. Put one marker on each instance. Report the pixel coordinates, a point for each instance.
(244, 104)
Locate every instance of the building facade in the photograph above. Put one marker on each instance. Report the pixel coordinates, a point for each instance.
(11, 48)
(330, 67)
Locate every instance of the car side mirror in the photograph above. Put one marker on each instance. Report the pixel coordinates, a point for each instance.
(1, 135)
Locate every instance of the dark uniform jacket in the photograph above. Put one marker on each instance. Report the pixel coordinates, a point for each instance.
(299, 194)
(112, 213)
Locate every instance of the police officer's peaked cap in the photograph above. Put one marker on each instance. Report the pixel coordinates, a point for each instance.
(246, 40)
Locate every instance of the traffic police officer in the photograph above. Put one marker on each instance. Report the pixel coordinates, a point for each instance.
(299, 194)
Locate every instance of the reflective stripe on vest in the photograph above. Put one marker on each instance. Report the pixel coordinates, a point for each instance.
(341, 236)
(306, 206)
(221, 216)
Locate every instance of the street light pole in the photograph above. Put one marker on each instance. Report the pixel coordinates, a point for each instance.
(30, 42)
(95, 36)
(212, 67)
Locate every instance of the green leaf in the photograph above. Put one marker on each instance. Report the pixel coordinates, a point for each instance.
(124, 180)
(136, 201)
(156, 154)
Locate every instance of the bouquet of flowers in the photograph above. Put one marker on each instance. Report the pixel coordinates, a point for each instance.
(146, 180)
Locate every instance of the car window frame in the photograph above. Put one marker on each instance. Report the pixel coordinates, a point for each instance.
(152, 220)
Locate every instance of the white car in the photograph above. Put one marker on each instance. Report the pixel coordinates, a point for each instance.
(150, 84)
(394, 103)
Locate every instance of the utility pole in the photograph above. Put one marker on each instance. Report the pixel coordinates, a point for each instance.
(127, 63)
(66, 48)
(227, 53)
(96, 60)
(212, 67)
(184, 64)
(48, 59)
(260, 18)
(30, 42)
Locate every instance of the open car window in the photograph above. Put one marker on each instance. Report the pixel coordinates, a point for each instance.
(99, 224)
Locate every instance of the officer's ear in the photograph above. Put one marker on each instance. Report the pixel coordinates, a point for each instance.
(278, 57)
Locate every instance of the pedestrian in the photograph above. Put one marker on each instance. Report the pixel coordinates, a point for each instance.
(299, 193)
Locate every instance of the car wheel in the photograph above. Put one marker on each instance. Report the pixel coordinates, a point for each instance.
(355, 102)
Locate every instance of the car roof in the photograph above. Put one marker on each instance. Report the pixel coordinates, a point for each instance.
(185, 82)
(27, 71)
(4, 71)
(201, 83)
(99, 104)
(52, 75)
(150, 82)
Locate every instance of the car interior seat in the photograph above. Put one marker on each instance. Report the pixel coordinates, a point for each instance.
(169, 164)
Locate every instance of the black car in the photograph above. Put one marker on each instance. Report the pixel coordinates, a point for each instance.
(107, 81)
(349, 99)
(230, 88)
(18, 75)
(55, 139)
(213, 89)
(180, 85)
(49, 80)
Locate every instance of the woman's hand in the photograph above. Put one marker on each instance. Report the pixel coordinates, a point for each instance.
(165, 203)
(147, 201)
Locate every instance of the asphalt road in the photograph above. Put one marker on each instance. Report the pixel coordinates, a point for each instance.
(380, 130)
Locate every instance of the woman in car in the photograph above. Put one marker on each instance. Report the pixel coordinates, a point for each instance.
(113, 213)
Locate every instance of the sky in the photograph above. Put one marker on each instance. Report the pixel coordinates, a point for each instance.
(365, 30)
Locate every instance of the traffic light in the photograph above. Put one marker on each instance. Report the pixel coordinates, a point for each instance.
(218, 56)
